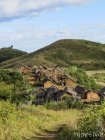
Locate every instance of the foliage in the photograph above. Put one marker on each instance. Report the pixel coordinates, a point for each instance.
(89, 127)
(100, 77)
(82, 77)
(9, 53)
(56, 105)
(67, 133)
(62, 105)
(5, 90)
(92, 123)
(11, 83)
(24, 122)
(8, 76)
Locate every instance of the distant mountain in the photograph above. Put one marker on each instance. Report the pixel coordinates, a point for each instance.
(9, 53)
(83, 53)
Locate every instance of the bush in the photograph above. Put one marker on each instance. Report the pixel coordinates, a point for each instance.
(67, 133)
(100, 77)
(74, 103)
(82, 77)
(92, 123)
(11, 84)
(9, 77)
(67, 104)
(91, 126)
(56, 105)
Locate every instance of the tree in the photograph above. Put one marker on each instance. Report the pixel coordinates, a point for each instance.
(11, 46)
(82, 77)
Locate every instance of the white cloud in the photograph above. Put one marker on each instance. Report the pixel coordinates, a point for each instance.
(18, 8)
(31, 38)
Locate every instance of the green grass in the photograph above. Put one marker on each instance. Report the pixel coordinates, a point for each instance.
(17, 123)
(99, 77)
(9, 53)
(6, 89)
(25, 122)
(90, 126)
(85, 54)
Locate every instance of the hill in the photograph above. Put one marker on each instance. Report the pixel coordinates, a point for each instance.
(83, 53)
(9, 53)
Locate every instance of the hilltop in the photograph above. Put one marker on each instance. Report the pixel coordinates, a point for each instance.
(9, 53)
(83, 53)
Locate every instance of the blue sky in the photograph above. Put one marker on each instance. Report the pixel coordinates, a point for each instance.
(32, 24)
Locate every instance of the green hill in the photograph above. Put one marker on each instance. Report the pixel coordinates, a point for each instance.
(9, 53)
(83, 53)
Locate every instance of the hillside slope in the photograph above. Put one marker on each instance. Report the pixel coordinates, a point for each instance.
(83, 53)
(9, 53)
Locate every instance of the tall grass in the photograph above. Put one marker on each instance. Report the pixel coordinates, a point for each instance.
(17, 123)
(23, 121)
(64, 105)
(91, 126)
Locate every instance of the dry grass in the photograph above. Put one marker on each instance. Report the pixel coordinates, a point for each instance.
(90, 73)
(27, 121)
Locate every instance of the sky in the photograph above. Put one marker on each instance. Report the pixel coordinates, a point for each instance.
(32, 24)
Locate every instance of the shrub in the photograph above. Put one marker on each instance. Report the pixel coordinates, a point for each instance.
(67, 104)
(74, 103)
(89, 127)
(12, 83)
(56, 105)
(67, 133)
(92, 123)
(82, 77)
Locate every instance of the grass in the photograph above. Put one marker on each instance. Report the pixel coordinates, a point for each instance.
(27, 121)
(85, 54)
(9, 53)
(5, 89)
(90, 126)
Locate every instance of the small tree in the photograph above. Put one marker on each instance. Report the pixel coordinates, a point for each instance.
(11, 46)
(82, 77)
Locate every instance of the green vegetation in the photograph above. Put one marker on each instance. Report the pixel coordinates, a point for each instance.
(11, 84)
(26, 122)
(18, 123)
(99, 77)
(93, 121)
(85, 54)
(83, 78)
(5, 90)
(10, 76)
(9, 53)
(90, 126)
(62, 105)
(68, 120)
